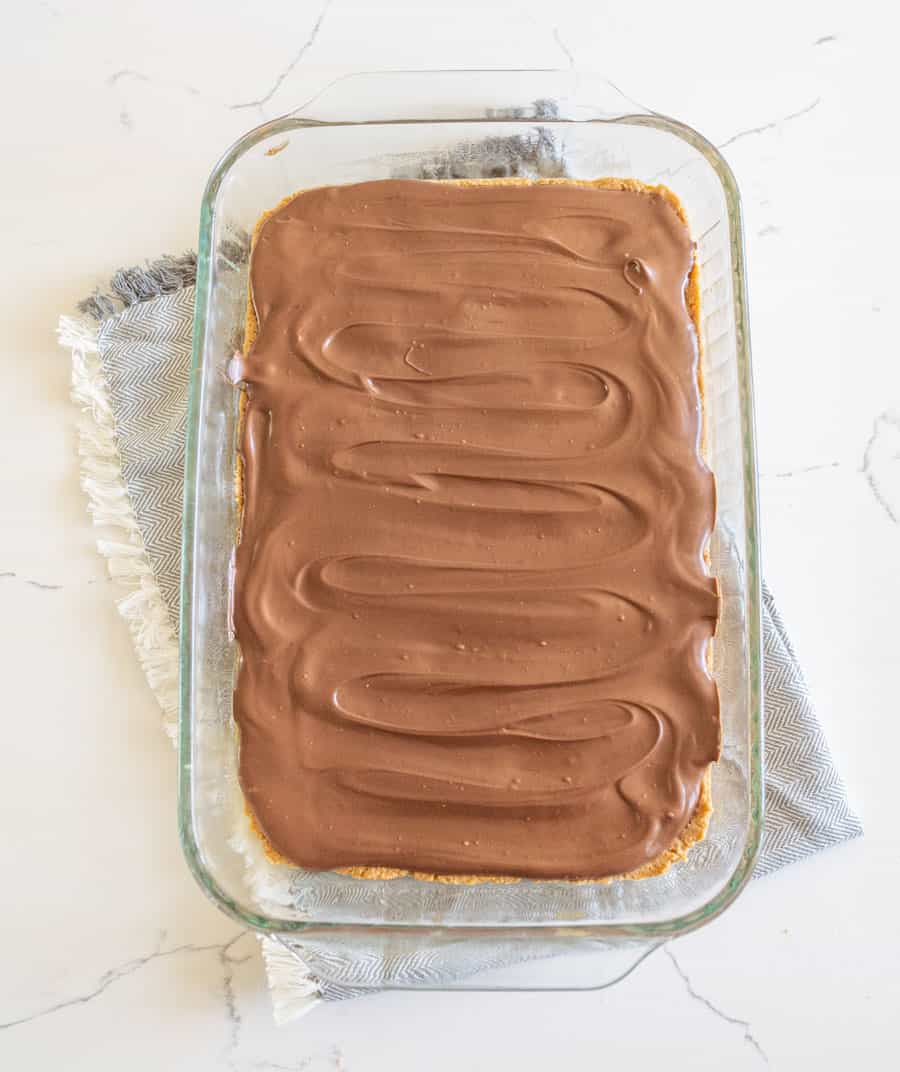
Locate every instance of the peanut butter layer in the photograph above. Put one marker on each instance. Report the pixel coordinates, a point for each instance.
(470, 593)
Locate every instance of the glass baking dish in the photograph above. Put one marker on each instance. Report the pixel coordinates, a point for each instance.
(450, 124)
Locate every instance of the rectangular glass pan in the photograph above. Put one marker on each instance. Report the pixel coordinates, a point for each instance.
(453, 125)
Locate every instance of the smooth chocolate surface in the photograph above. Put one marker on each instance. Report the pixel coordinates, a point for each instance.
(470, 593)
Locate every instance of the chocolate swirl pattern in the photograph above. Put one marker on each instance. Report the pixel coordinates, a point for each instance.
(470, 593)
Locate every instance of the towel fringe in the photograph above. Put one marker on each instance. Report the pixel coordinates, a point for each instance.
(294, 990)
(142, 606)
(130, 286)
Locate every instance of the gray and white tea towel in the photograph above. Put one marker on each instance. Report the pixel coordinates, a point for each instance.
(131, 354)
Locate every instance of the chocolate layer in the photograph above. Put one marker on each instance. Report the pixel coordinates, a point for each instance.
(470, 594)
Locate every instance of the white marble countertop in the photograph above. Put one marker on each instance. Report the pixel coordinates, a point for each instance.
(115, 112)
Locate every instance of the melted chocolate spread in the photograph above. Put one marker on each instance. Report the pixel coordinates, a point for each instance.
(470, 594)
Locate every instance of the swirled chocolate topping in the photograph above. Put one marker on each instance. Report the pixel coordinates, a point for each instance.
(470, 593)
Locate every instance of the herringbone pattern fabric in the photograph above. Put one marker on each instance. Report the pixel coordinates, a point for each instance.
(145, 352)
(806, 803)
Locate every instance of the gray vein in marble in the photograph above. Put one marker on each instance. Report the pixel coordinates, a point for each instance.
(129, 74)
(749, 1037)
(807, 469)
(630, 99)
(120, 972)
(232, 1015)
(42, 585)
(564, 48)
(670, 173)
(570, 62)
(770, 229)
(334, 1059)
(298, 56)
(880, 462)
(750, 131)
(827, 39)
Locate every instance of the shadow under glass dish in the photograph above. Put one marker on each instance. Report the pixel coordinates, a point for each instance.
(482, 124)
